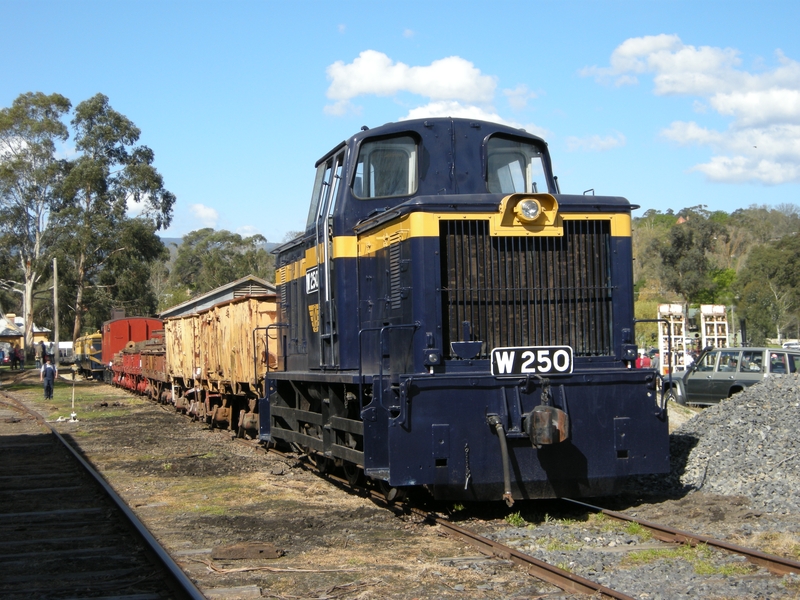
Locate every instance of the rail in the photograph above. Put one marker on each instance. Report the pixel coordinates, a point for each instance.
(777, 565)
(183, 587)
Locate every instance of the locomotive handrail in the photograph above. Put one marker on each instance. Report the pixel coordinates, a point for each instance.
(663, 403)
(266, 350)
(382, 329)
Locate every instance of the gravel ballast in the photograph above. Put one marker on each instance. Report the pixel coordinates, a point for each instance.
(747, 445)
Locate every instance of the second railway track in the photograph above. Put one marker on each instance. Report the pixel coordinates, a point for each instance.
(64, 532)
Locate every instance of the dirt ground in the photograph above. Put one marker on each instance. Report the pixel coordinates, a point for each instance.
(200, 493)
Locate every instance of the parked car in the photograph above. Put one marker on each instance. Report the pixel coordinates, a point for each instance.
(719, 373)
(792, 345)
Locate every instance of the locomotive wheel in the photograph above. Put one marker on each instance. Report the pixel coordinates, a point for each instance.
(352, 473)
(392, 494)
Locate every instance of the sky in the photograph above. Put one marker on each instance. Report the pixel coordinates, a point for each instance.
(670, 104)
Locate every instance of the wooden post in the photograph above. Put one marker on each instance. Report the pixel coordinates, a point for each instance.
(55, 314)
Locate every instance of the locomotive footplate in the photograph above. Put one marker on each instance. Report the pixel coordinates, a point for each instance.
(561, 435)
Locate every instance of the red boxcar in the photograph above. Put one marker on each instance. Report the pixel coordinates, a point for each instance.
(118, 332)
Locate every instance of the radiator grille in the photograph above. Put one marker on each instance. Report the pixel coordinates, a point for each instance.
(528, 291)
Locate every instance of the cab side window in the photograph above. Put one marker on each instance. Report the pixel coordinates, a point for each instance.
(794, 363)
(321, 181)
(386, 168)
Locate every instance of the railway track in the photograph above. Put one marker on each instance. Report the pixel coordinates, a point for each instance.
(64, 532)
(562, 578)
(566, 580)
(777, 565)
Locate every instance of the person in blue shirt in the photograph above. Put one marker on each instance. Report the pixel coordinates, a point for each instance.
(48, 375)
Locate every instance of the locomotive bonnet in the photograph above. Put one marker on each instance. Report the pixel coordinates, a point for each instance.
(449, 319)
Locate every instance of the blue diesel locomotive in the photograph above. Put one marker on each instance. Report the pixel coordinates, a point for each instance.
(449, 319)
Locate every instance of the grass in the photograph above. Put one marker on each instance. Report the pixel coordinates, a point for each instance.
(206, 509)
(700, 557)
(87, 397)
(515, 520)
(779, 543)
(638, 530)
(554, 545)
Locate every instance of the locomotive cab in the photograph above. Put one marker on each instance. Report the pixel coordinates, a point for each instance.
(450, 320)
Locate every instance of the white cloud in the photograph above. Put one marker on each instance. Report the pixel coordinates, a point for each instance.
(760, 107)
(374, 73)
(205, 214)
(761, 141)
(595, 143)
(408, 33)
(451, 87)
(519, 96)
(132, 208)
(247, 231)
(453, 108)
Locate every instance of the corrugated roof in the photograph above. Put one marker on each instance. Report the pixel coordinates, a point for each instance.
(246, 286)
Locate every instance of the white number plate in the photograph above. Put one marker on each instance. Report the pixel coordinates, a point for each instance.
(540, 360)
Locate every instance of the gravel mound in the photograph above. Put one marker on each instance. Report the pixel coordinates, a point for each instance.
(748, 445)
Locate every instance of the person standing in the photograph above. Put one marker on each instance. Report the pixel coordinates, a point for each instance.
(48, 375)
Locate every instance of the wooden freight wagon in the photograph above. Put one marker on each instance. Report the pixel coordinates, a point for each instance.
(154, 367)
(217, 360)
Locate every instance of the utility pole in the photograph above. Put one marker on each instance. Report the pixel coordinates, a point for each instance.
(55, 314)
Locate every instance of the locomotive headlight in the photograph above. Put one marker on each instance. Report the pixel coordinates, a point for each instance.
(528, 210)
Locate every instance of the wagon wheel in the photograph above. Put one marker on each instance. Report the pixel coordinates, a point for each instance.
(239, 428)
(323, 463)
(353, 473)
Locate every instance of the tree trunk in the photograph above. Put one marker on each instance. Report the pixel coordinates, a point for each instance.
(76, 331)
(27, 309)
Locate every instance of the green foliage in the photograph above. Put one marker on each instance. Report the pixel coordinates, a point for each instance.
(208, 259)
(686, 267)
(636, 529)
(30, 182)
(747, 260)
(769, 289)
(646, 333)
(515, 520)
(700, 557)
(76, 210)
(110, 174)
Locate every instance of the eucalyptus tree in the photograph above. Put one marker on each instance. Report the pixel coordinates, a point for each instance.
(208, 258)
(769, 289)
(687, 264)
(30, 178)
(110, 175)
